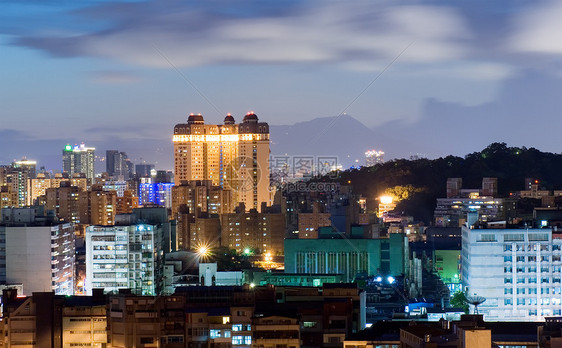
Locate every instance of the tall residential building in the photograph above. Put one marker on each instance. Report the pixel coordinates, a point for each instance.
(64, 201)
(29, 166)
(38, 187)
(263, 232)
(233, 156)
(97, 207)
(8, 198)
(78, 159)
(16, 176)
(202, 196)
(38, 251)
(118, 164)
(517, 271)
(122, 257)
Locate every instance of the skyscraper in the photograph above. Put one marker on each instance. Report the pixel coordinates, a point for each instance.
(118, 164)
(78, 159)
(233, 156)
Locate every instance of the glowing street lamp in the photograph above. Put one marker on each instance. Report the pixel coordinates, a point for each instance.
(386, 199)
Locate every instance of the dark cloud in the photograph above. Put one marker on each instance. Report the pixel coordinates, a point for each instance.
(192, 34)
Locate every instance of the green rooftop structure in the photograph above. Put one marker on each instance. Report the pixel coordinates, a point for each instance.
(347, 256)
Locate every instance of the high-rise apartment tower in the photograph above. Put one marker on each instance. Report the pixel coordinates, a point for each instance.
(78, 159)
(233, 156)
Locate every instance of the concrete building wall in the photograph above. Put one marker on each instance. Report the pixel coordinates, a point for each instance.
(28, 257)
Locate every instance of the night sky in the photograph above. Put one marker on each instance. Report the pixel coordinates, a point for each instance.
(448, 76)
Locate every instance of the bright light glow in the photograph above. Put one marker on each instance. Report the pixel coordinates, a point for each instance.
(247, 251)
(386, 199)
(390, 280)
(378, 279)
(203, 250)
(252, 285)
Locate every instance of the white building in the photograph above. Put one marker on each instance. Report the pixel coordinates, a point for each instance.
(39, 252)
(518, 271)
(123, 257)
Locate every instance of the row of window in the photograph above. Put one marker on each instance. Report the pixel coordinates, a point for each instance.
(531, 247)
(532, 258)
(531, 280)
(521, 269)
(531, 291)
(532, 301)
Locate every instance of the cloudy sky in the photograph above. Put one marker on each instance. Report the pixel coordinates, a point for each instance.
(456, 75)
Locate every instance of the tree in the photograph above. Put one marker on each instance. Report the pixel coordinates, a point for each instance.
(458, 300)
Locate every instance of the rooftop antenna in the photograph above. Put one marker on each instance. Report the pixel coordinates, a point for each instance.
(475, 300)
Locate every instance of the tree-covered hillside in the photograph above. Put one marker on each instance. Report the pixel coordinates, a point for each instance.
(511, 165)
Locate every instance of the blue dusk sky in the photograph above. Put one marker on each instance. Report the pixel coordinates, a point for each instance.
(445, 76)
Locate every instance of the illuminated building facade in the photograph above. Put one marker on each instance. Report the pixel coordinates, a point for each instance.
(156, 193)
(97, 207)
(78, 159)
(347, 256)
(201, 196)
(122, 257)
(260, 232)
(64, 200)
(518, 271)
(16, 177)
(233, 156)
(38, 187)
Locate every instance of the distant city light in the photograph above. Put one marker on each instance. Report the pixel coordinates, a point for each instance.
(373, 157)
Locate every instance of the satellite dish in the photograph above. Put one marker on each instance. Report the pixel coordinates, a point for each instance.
(475, 300)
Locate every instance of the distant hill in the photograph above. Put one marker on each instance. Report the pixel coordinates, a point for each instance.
(511, 165)
(343, 136)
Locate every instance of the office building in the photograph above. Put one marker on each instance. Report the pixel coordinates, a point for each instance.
(233, 156)
(38, 251)
(78, 159)
(517, 271)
